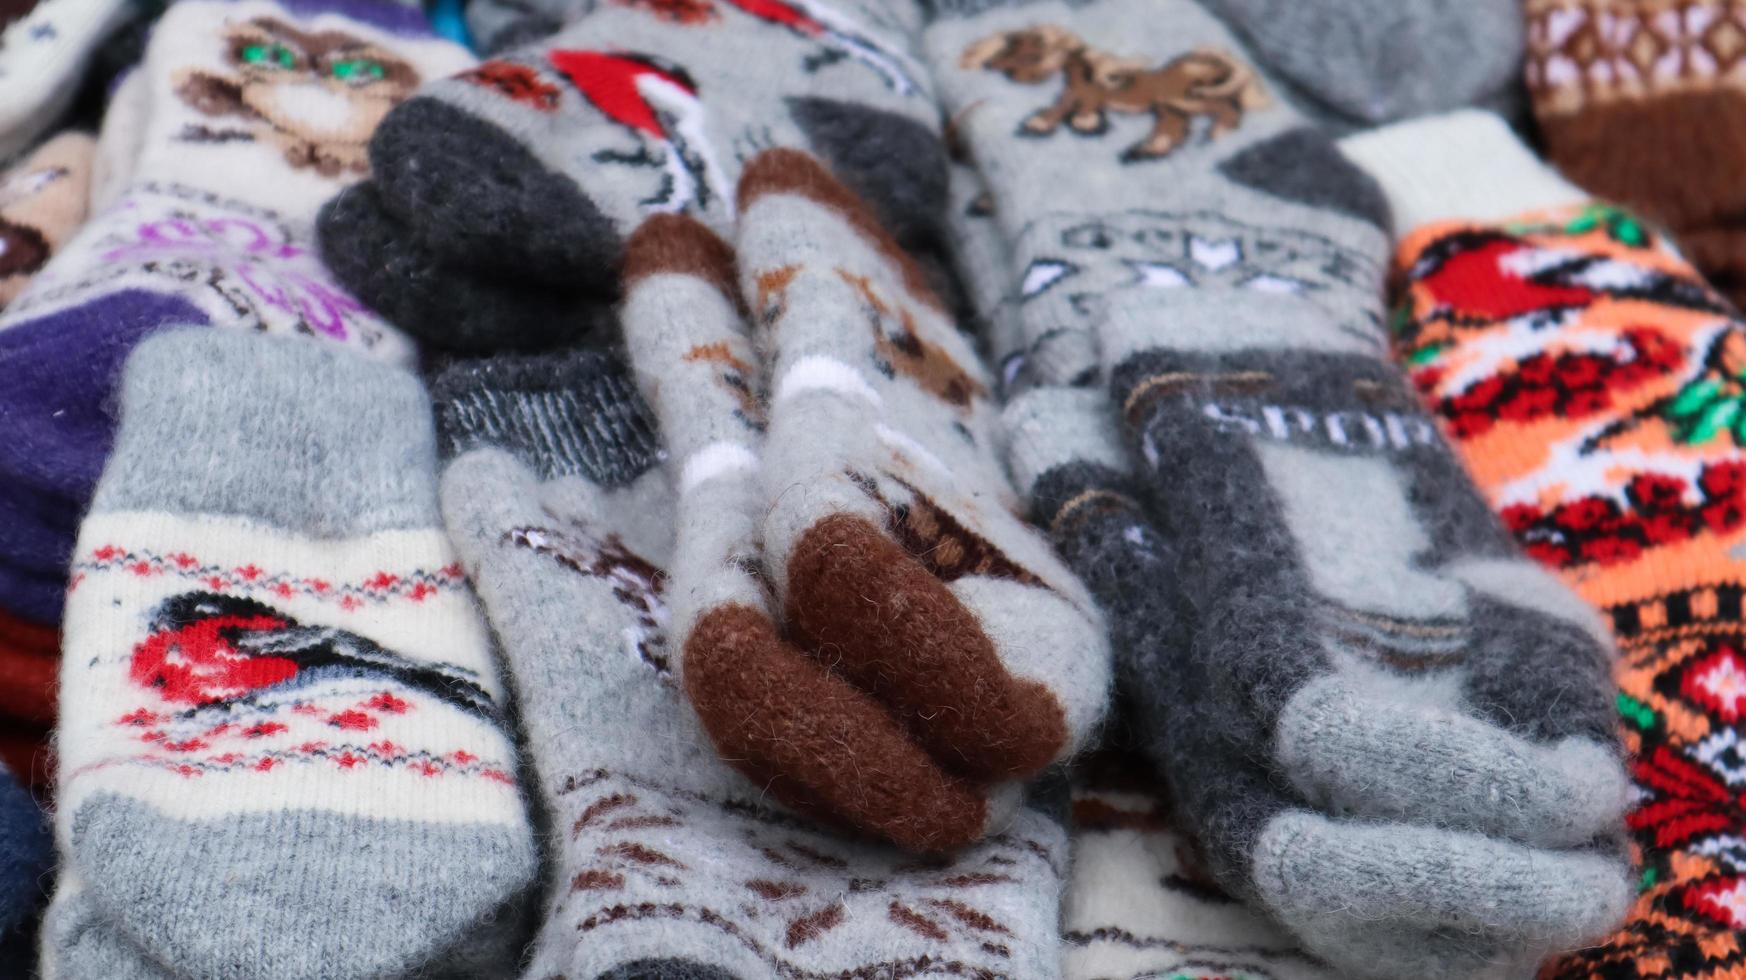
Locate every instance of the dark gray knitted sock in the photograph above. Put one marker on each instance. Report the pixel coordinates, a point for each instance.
(452, 307)
(529, 169)
(1385, 726)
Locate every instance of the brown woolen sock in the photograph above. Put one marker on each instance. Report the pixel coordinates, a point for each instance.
(1666, 134)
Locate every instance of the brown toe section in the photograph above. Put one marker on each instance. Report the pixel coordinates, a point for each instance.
(680, 244)
(817, 743)
(869, 609)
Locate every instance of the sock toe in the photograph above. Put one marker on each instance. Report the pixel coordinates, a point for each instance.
(481, 198)
(446, 307)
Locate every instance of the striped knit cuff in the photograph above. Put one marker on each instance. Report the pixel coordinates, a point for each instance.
(565, 414)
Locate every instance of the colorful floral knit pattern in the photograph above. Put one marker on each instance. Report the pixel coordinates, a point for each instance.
(1597, 390)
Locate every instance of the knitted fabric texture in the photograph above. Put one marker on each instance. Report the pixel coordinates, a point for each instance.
(42, 56)
(1355, 63)
(243, 118)
(42, 202)
(26, 855)
(1641, 102)
(671, 864)
(1140, 901)
(1594, 386)
(30, 660)
(274, 663)
(1386, 726)
(513, 185)
(962, 654)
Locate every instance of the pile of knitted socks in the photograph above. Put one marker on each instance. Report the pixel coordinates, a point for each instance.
(725, 489)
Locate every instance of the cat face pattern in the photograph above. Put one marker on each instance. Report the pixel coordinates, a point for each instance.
(316, 95)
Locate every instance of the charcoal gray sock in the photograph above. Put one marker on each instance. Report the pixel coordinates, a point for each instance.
(1385, 725)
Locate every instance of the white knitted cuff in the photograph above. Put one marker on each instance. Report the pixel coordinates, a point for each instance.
(1465, 165)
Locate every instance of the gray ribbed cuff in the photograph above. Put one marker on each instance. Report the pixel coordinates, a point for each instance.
(564, 414)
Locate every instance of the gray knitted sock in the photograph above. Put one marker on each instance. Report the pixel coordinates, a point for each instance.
(960, 652)
(281, 750)
(1384, 724)
(671, 864)
(533, 166)
(1363, 62)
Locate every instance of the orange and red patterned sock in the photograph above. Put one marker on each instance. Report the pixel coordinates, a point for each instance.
(1596, 388)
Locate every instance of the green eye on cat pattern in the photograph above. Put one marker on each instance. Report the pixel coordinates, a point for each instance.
(357, 70)
(277, 55)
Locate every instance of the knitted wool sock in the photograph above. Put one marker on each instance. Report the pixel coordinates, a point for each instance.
(29, 661)
(890, 545)
(254, 113)
(43, 54)
(1140, 902)
(42, 202)
(25, 857)
(527, 172)
(1386, 727)
(274, 663)
(502, 25)
(118, 139)
(1362, 62)
(384, 260)
(1593, 386)
(671, 864)
(1641, 103)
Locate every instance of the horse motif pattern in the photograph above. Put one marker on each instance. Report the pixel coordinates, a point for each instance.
(1203, 82)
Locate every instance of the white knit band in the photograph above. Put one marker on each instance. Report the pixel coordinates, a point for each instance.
(1462, 165)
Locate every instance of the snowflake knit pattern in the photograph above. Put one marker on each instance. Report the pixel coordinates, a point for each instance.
(1595, 387)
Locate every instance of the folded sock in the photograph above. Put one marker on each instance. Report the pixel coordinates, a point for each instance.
(889, 546)
(1386, 726)
(274, 663)
(1593, 386)
(669, 863)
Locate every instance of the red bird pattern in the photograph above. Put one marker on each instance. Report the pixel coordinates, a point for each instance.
(657, 100)
(1487, 276)
(661, 101)
(208, 650)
